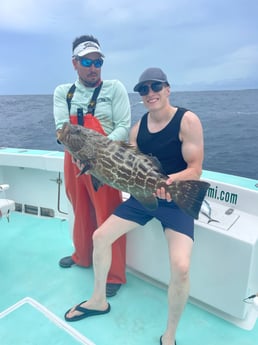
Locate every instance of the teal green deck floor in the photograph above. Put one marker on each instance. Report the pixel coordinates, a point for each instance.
(30, 249)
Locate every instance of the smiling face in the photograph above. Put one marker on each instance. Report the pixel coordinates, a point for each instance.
(156, 100)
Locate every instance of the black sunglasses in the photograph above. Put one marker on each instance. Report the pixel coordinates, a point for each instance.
(145, 89)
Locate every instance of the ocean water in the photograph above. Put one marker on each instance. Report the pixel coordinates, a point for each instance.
(229, 119)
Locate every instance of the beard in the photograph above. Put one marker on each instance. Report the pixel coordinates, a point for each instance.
(92, 80)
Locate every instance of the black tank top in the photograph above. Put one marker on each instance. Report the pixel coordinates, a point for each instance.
(165, 144)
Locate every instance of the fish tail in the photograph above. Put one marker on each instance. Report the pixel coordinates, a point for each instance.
(189, 195)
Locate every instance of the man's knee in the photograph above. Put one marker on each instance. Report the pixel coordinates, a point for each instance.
(181, 269)
(100, 239)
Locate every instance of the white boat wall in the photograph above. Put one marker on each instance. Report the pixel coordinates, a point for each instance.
(224, 268)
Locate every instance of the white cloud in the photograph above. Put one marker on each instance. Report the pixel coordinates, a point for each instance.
(239, 64)
(28, 15)
(194, 41)
(46, 15)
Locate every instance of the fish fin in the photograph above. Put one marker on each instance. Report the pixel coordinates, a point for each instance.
(85, 168)
(131, 147)
(96, 183)
(127, 145)
(154, 160)
(189, 195)
(150, 202)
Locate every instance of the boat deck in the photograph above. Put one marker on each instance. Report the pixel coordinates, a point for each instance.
(36, 292)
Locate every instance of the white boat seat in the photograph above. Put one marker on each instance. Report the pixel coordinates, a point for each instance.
(6, 205)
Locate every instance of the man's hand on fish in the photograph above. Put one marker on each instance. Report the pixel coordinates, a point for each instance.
(58, 132)
(162, 194)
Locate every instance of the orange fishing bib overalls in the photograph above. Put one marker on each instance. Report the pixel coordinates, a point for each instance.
(92, 208)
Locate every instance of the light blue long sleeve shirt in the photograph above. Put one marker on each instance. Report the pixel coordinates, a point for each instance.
(112, 108)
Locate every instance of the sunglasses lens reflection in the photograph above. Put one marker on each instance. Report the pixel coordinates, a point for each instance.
(88, 62)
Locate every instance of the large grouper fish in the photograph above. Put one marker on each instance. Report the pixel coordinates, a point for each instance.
(124, 167)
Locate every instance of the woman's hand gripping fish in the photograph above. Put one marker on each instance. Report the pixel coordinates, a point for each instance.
(124, 167)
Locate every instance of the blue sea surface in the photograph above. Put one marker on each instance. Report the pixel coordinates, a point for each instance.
(229, 119)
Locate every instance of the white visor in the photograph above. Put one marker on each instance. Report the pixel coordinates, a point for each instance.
(87, 47)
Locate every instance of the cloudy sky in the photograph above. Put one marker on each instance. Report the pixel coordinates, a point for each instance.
(200, 44)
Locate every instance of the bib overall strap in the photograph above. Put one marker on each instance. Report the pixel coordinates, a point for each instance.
(69, 97)
(93, 101)
(91, 106)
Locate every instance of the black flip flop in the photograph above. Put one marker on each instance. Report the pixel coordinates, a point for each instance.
(160, 341)
(85, 312)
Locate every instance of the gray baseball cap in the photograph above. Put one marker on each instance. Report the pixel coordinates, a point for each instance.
(151, 74)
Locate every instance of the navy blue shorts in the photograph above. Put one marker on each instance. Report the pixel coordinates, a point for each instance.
(168, 213)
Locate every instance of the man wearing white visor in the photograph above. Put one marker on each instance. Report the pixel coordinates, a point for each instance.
(102, 105)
